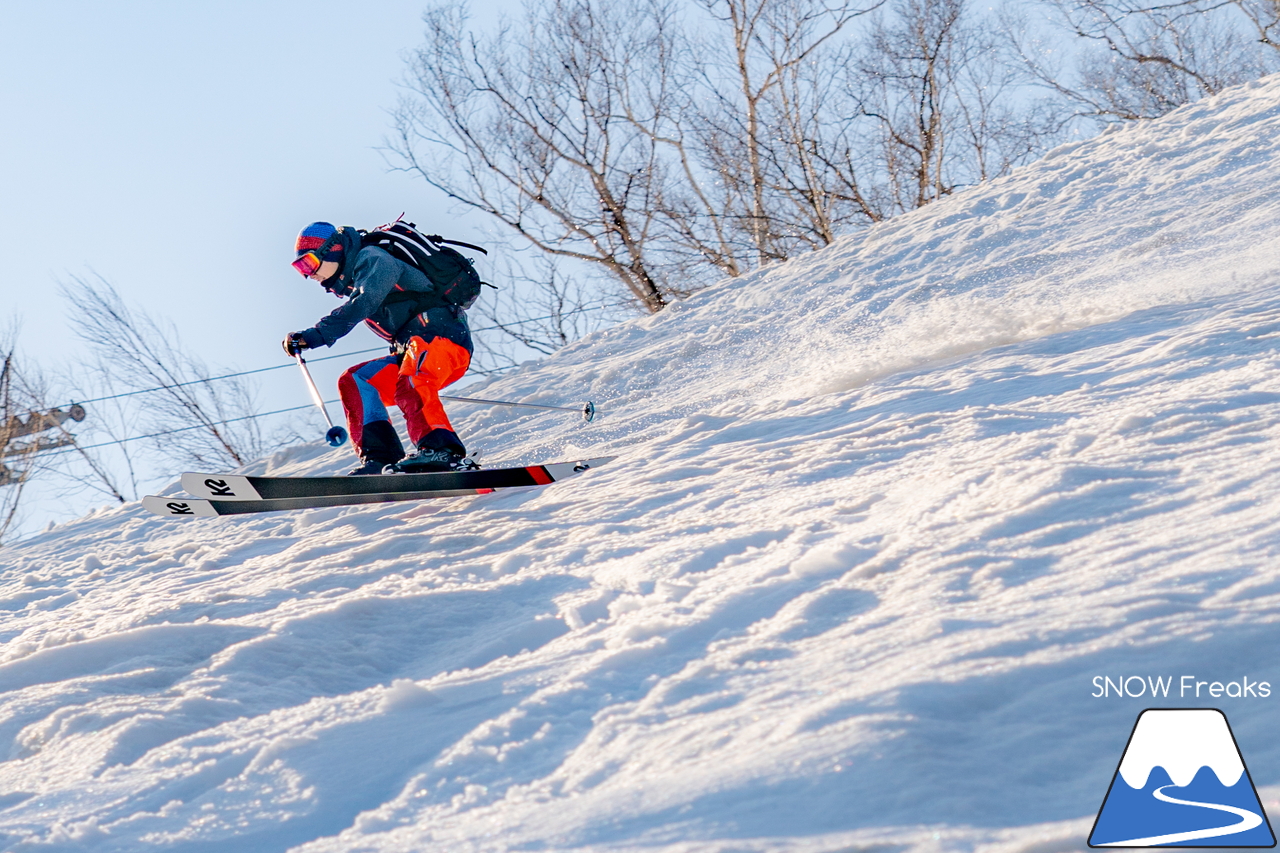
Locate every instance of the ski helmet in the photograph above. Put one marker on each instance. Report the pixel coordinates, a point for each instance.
(319, 235)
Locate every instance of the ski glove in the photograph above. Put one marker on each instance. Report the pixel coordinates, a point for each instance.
(296, 342)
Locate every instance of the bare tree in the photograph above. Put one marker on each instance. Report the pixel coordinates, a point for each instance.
(191, 419)
(37, 446)
(528, 128)
(904, 74)
(1264, 17)
(766, 67)
(608, 134)
(20, 422)
(998, 123)
(938, 107)
(539, 309)
(1141, 60)
(673, 146)
(100, 459)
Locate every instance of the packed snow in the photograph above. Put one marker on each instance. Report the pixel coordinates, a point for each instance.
(879, 518)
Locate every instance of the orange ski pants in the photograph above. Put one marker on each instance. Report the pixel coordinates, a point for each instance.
(411, 381)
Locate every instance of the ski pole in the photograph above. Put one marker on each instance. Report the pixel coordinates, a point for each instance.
(336, 436)
(588, 410)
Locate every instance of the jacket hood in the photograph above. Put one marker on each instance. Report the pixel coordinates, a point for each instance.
(352, 242)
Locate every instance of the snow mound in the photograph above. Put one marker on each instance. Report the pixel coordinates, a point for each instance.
(880, 515)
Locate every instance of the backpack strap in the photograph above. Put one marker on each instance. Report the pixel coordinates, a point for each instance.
(436, 238)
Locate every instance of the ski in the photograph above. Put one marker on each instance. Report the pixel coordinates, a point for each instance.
(232, 494)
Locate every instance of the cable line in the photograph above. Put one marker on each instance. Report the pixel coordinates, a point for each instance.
(225, 376)
(310, 360)
(179, 429)
(293, 408)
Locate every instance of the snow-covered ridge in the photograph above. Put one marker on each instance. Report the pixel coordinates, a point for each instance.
(879, 516)
(1151, 214)
(1181, 742)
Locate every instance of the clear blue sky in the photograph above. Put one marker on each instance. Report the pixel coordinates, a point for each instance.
(177, 148)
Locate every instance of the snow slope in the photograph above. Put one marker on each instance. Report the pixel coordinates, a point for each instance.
(880, 515)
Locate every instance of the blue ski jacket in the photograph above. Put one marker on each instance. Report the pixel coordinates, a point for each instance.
(391, 297)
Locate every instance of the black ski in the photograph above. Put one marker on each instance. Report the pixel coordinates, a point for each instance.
(232, 494)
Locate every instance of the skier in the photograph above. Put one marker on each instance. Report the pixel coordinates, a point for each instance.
(430, 349)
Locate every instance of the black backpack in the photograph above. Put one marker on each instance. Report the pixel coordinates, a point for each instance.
(448, 269)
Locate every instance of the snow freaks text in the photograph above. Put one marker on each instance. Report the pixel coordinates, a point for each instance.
(1184, 687)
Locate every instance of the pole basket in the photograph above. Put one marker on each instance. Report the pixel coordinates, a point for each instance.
(336, 436)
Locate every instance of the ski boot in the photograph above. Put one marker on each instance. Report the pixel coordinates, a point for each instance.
(379, 447)
(367, 467)
(430, 460)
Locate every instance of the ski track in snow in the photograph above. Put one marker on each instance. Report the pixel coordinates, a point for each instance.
(879, 516)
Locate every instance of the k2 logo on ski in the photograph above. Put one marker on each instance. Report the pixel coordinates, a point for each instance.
(1182, 782)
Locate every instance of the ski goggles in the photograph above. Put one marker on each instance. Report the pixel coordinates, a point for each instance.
(309, 262)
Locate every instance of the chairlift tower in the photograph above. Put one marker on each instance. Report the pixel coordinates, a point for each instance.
(21, 436)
